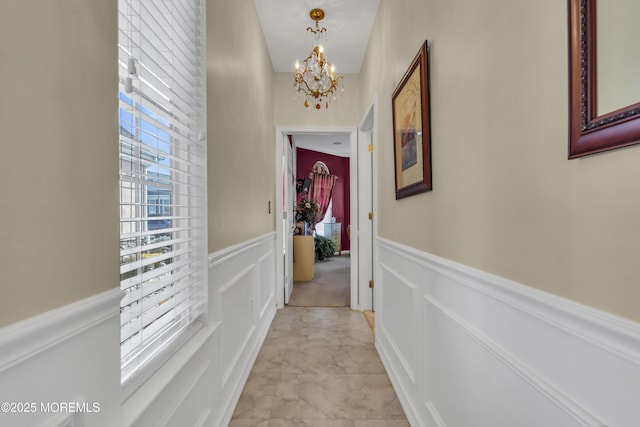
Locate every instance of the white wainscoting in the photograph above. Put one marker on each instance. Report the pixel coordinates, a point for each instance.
(67, 355)
(242, 297)
(204, 387)
(72, 354)
(464, 348)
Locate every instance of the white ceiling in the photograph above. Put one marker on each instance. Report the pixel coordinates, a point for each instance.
(348, 24)
(330, 143)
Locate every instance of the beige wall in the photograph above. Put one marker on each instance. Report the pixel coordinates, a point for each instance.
(58, 154)
(506, 199)
(290, 112)
(240, 129)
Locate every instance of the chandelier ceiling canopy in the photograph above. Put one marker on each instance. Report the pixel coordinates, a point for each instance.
(315, 81)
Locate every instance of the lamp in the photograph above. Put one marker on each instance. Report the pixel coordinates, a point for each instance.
(315, 80)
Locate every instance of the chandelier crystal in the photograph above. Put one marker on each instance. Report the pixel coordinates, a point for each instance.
(315, 81)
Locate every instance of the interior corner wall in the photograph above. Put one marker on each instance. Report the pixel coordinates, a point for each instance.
(505, 198)
(338, 166)
(289, 112)
(240, 127)
(59, 154)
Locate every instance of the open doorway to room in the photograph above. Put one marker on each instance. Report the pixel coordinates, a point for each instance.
(322, 277)
(335, 148)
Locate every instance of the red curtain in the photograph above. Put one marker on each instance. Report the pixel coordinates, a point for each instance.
(321, 189)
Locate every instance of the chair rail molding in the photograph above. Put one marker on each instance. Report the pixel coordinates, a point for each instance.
(32, 336)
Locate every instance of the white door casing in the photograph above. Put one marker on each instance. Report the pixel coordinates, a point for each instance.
(366, 204)
(289, 185)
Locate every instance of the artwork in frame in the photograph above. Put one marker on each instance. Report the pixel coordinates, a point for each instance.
(412, 128)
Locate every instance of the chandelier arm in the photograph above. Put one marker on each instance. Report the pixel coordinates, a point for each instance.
(309, 91)
(317, 93)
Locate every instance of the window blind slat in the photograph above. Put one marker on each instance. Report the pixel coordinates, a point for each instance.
(162, 175)
(145, 278)
(155, 322)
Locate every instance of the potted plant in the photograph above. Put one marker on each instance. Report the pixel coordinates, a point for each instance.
(324, 247)
(306, 211)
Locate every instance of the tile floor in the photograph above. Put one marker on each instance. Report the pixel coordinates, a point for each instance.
(318, 367)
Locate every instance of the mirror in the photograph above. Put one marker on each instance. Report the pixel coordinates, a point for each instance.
(604, 65)
(617, 44)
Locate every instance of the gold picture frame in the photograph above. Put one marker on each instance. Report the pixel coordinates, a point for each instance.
(412, 128)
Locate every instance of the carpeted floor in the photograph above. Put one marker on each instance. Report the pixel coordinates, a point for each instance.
(330, 286)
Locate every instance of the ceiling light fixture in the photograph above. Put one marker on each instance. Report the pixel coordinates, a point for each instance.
(315, 81)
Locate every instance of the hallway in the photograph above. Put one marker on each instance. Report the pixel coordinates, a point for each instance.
(330, 286)
(318, 367)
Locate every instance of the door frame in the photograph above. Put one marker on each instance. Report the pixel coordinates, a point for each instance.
(281, 132)
(287, 237)
(368, 183)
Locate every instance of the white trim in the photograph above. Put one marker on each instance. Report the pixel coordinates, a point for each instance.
(241, 274)
(397, 353)
(237, 357)
(25, 339)
(366, 181)
(610, 332)
(248, 265)
(141, 400)
(406, 401)
(269, 303)
(204, 419)
(481, 340)
(175, 392)
(389, 337)
(225, 254)
(435, 416)
(544, 387)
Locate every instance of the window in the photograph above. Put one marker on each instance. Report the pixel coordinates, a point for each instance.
(163, 257)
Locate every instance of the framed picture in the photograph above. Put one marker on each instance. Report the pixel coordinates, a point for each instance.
(412, 128)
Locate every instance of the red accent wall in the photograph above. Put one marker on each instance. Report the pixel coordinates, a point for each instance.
(338, 166)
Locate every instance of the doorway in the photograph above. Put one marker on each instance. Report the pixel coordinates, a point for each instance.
(367, 182)
(284, 211)
(323, 176)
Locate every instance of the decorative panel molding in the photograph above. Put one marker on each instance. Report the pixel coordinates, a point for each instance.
(37, 334)
(500, 344)
(242, 298)
(233, 252)
(267, 294)
(526, 375)
(71, 354)
(435, 416)
(399, 328)
(52, 358)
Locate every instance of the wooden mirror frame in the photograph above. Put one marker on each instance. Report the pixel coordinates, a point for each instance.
(588, 132)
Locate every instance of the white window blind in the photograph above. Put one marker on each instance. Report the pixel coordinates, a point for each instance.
(162, 177)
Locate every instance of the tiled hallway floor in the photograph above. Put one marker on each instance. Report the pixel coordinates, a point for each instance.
(318, 367)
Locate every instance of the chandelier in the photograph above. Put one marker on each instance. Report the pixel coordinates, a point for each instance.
(315, 81)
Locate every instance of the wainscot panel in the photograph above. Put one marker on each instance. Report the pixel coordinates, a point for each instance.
(208, 375)
(62, 368)
(242, 298)
(493, 352)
